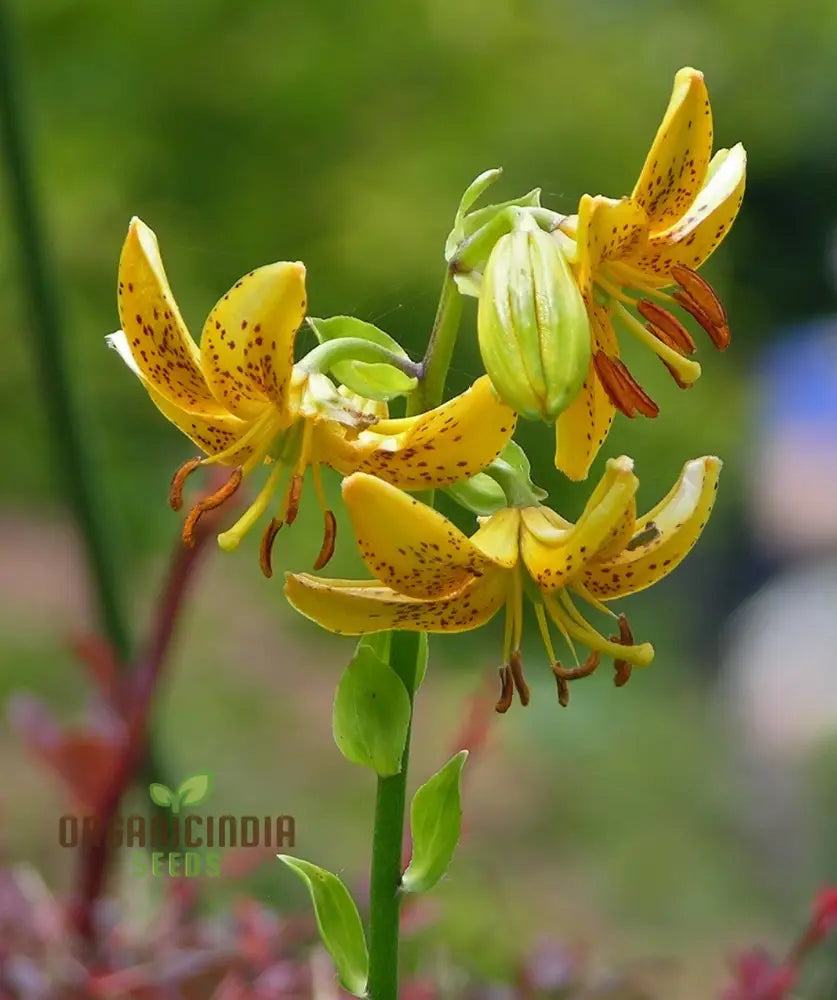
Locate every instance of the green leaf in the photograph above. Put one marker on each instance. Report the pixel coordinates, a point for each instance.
(378, 642)
(371, 713)
(160, 795)
(374, 381)
(435, 824)
(339, 923)
(193, 790)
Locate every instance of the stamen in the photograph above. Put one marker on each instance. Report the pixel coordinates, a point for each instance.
(625, 638)
(506, 691)
(329, 538)
(688, 371)
(179, 479)
(229, 540)
(666, 327)
(516, 669)
(621, 387)
(580, 629)
(210, 503)
(293, 497)
(543, 626)
(564, 675)
(698, 297)
(318, 486)
(266, 546)
(614, 291)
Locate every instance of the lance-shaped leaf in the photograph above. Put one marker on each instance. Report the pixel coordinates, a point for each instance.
(435, 824)
(368, 379)
(338, 921)
(371, 713)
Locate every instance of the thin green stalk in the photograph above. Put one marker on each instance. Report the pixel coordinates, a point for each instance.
(69, 454)
(387, 843)
(431, 387)
(388, 833)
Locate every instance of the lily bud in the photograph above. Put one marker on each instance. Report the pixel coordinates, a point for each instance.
(534, 333)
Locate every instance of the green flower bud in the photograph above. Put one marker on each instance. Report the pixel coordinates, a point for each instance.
(534, 333)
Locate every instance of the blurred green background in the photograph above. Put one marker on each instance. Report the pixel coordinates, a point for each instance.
(343, 134)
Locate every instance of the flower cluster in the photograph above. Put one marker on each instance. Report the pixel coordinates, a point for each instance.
(552, 290)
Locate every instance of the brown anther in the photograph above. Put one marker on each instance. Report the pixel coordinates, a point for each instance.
(516, 668)
(698, 297)
(329, 538)
(214, 500)
(506, 691)
(563, 691)
(666, 327)
(625, 638)
(622, 389)
(565, 674)
(294, 494)
(266, 546)
(178, 480)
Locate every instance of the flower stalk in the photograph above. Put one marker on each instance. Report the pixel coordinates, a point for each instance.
(391, 796)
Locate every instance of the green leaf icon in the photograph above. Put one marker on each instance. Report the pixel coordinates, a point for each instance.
(435, 824)
(371, 713)
(160, 795)
(193, 790)
(339, 923)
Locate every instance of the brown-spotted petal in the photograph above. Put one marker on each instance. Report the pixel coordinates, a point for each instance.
(247, 342)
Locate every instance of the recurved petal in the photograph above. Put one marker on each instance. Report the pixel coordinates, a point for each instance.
(498, 537)
(454, 441)
(664, 536)
(247, 342)
(407, 545)
(694, 237)
(583, 427)
(608, 230)
(555, 559)
(156, 336)
(675, 167)
(209, 425)
(350, 607)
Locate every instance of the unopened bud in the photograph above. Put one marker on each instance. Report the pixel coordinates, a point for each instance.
(534, 333)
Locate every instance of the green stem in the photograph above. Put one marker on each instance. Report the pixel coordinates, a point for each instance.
(387, 844)
(388, 833)
(431, 388)
(48, 343)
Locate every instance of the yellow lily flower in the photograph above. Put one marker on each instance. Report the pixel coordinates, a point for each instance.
(431, 577)
(627, 250)
(241, 399)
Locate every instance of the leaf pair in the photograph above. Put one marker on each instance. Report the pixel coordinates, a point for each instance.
(435, 821)
(189, 793)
